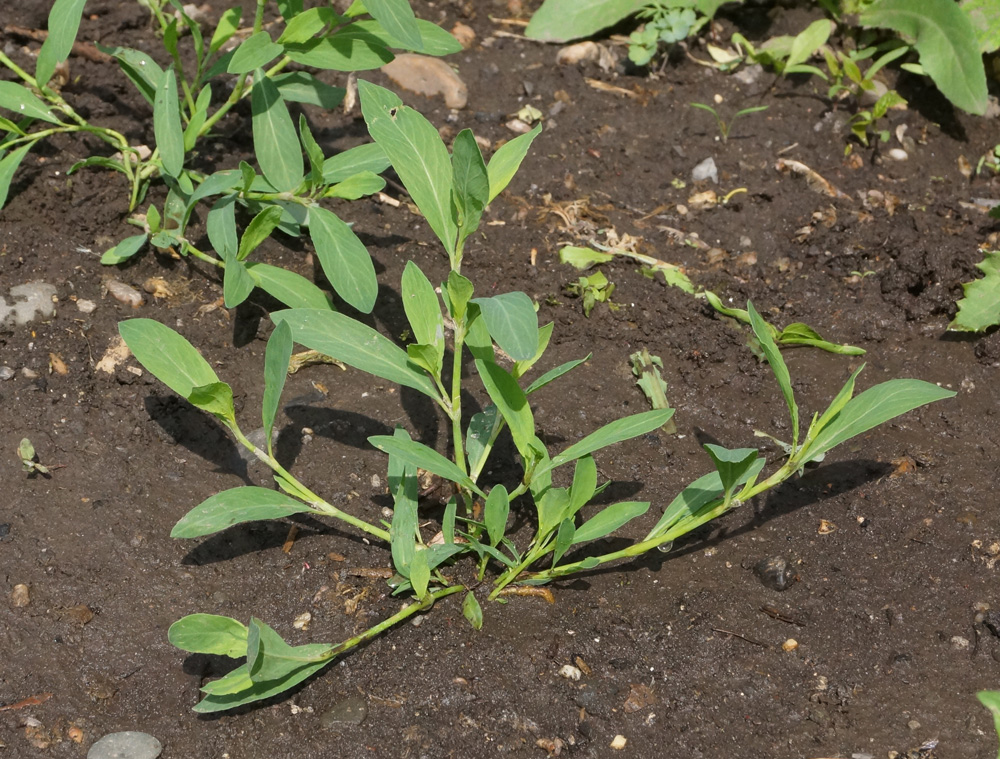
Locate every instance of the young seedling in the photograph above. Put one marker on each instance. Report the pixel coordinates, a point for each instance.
(724, 128)
(29, 459)
(452, 191)
(646, 368)
(593, 289)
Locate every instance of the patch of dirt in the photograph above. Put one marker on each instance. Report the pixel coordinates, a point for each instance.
(682, 650)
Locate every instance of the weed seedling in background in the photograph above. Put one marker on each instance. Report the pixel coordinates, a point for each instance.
(646, 368)
(494, 342)
(189, 97)
(593, 289)
(29, 463)
(725, 128)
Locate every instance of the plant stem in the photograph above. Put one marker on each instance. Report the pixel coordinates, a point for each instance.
(304, 493)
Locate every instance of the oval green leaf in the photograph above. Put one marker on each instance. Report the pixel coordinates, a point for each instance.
(609, 520)
(209, 634)
(235, 506)
(275, 140)
(512, 323)
(166, 355)
(344, 259)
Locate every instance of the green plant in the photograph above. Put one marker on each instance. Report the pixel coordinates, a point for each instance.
(593, 289)
(863, 121)
(725, 128)
(668, 21)
(646, 368)
(979, 307)
(29, 463)
(991, 700)
(283, 191)
(989, 160)
(451, 191)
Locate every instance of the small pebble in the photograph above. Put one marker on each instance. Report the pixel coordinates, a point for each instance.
(427, 76)
(705, 170)
(20, 596)
(86, 306)
(570, 672)
(578, 53)
(619, 742)
(302, 621)
(960, 643)
(6, 373)
(898, 154)
(127, 745)
(350, 711)
(913, 724)
(774, 573)
(124, 293)
(790, 645)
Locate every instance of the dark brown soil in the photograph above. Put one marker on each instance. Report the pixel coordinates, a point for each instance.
(888, 657)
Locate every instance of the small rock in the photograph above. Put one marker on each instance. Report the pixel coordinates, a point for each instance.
(127, 745)
(619, 742)
(29, 300)
(124, 293)
(774, 573)
(959, 643)
(518, 127)
(6, 373)
(464, 34)
(580, 52)
(28, 373)
(20, 596)
(750, 74)
(868, 98)
(350, 711)
(913, 724)
(85, 306)
(705, 170)
(570, 672)
(790, 645)
(898, 154)
(428, 76)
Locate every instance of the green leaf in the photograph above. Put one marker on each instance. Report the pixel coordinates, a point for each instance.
(521, 368)
(584, 484)
(215, 184)
(802, 334)
(198, 118)
(367, 157)
(356, 344)
(427, 357)
(229, 23)
(166, 355)
(418, 155)
(459, 290)
(120, 252)
(258, 230)
(608, 520)
(808, 41)
(9, 126)
(209, 634)
(985, 18)
(404, 530)
(477, 435)
(609, 434)
(424, 457)
(510, 400)
(274, 658)
(276, 357)
(237, 284)
(350, 49)
(506, 161)
(292, 289)
(64, 23)
(220, 225)
(946, 41)
(563, 20)
(991, 700)
(471, 184)
(238, 692)
(140, 68)
(565, 537)
(512, 323)
(420, 572)
(979, 309)
(763, 332)
(357, 186)
(275, 141)
(495, 513)
(19, 99)
(254, 52)
(435, 40)
(553, 374)
(873, 407)
(302, 87)
(8, 165)
(840, 400)
(471, 609)
(216, 398)
(583, 258)
(691, 500)
(344, 259)
(422, 308)
(313, 152)
(305, 25)
(732, 465)
(396, 17)
(289, 9)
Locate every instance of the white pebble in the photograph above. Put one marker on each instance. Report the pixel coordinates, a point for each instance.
(127, 745)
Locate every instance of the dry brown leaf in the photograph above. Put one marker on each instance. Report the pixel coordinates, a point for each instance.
(814, 180)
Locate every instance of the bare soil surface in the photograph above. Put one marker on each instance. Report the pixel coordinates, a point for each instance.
(892, 540)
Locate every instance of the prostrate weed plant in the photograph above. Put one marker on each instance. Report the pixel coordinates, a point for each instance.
(282, 191)
(501, 338)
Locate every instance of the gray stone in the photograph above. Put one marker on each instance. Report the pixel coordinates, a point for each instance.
(127, 745)
(350, 711)
(705, 170)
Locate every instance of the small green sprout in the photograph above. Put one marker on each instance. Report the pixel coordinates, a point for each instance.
(646, 367)
(724, 128)
(593, 290)
(26, 452)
